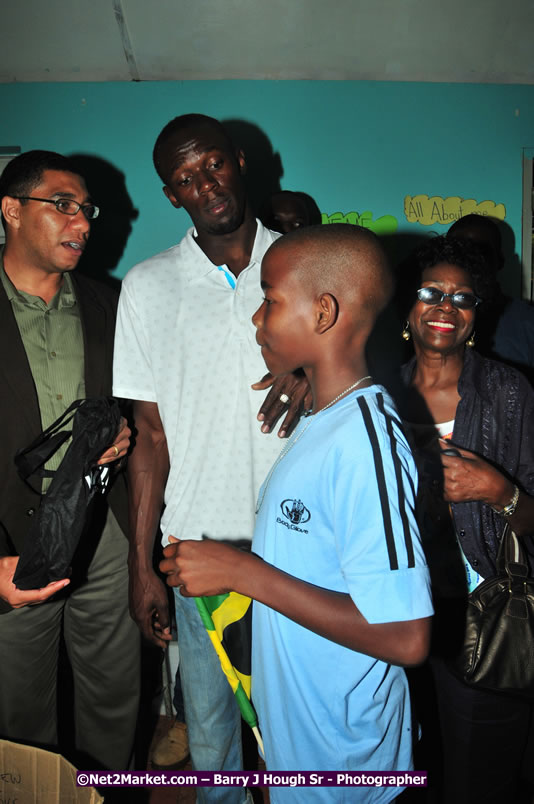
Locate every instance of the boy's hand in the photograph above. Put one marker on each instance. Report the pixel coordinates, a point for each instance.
(296, 388)
(201, 568)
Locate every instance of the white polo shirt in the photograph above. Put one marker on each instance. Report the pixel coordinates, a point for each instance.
(185, 340)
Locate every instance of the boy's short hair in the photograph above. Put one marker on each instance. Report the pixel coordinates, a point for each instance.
(346, 260)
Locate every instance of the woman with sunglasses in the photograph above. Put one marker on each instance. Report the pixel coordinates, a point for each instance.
(471, 423)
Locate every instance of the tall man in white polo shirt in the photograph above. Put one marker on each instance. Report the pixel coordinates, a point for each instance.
(186, 353)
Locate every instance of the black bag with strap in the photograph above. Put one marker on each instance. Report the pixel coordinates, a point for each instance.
(498, 649)
(58, 524)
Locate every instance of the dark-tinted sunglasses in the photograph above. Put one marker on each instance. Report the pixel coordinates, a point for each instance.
(462, 300)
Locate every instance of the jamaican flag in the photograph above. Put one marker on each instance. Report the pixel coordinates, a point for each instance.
(228, 621)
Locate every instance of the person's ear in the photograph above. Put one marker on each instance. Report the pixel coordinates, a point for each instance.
(241, 161)
(327, 312)
(172, 198)
(11, 211)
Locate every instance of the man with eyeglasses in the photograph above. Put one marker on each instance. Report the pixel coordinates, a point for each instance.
(56, 336)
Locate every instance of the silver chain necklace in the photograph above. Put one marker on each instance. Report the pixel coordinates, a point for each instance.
(294, 438)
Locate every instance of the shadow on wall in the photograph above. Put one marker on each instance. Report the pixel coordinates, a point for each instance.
(386, 349)
(510, 276)
(110, 231)
(264, 166)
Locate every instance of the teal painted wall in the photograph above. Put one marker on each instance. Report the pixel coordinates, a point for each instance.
(353, 146)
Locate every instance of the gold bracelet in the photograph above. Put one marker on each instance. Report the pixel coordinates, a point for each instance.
(509, 509)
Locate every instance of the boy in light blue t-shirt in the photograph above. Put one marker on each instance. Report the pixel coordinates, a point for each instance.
(337, 571)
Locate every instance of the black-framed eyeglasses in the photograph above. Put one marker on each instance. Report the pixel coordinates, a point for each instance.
(461, 300)
(65, 205)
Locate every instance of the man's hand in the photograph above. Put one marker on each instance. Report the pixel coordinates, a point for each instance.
(202, 568)
(148, 469)
(149, 608)
(17, 598)
(120, 446)
(296, 388)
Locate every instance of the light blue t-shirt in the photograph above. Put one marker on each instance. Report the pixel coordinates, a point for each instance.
(338, 511)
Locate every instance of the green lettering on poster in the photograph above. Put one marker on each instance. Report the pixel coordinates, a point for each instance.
(385, 224)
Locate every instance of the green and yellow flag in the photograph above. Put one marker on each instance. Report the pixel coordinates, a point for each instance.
(228, 621)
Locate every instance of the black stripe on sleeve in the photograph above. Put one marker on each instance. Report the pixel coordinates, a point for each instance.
(381, 480)
(400, 486)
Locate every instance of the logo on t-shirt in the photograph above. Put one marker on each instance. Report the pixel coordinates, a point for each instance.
(297, 514)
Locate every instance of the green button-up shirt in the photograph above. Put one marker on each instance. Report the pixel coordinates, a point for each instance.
(53, 340)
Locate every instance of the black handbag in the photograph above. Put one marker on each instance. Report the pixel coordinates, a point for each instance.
(498, 649)
(58, 525)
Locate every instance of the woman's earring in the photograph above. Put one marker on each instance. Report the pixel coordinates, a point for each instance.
(471, 341)
(406, 334)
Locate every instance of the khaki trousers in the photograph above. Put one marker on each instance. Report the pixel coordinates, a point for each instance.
(102, 643)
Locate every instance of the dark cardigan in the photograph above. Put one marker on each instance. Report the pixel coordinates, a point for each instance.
(495, 419)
